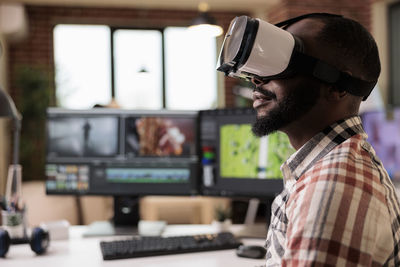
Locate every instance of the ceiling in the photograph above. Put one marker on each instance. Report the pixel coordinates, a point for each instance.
(254, 6)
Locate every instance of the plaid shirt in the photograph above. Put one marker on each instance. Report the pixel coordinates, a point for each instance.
(338, 207)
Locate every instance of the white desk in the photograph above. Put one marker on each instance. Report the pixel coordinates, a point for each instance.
(78, 251)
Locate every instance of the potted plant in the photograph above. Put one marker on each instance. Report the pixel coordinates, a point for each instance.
(35, 94)
(222, 220)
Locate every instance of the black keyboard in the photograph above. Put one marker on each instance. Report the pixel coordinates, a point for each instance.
(154, 246)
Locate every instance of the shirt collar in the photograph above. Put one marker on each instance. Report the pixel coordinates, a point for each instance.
(320, 145)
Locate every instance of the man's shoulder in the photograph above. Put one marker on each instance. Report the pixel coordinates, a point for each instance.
(355, 152)
(354, 147)
(351, 163)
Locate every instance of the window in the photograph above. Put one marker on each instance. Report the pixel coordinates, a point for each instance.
(82, 65)
(190, 70)
(138, 68)
(141, 68)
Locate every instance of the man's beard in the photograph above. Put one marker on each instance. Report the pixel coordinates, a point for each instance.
(294, 105)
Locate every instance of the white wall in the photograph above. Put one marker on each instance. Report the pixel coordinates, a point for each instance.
(380, 31)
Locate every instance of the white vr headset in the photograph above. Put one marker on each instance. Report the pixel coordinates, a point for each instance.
(257, 49)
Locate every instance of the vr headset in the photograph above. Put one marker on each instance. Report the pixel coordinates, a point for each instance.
(257, 49)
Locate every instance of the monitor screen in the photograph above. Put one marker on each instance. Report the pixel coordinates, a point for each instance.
(384, 136)
(121, 152)
(149, 136)
(237, 163)
(89, 136)
(242, 155)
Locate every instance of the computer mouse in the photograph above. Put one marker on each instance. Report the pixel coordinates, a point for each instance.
(250, 251)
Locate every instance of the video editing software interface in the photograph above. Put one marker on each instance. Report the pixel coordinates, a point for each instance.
(116, 152)
(122, 152)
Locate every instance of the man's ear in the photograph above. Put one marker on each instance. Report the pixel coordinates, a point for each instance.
(336, 94)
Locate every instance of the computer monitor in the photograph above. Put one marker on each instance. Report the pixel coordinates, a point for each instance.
(236, 163)
(383, 131)
(121, 152)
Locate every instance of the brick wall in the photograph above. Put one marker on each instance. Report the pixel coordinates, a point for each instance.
(359, 10)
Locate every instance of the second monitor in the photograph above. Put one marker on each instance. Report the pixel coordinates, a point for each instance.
(234, 161)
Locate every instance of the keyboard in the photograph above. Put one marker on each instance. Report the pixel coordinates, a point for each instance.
(155, 246)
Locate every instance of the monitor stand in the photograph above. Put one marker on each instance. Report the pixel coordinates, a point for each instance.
(126, 214)
(251, 228)
(124, 221)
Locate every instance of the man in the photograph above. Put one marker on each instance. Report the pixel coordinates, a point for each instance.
(339, 207)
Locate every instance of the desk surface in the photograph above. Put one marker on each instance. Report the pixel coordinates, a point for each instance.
(79, 251)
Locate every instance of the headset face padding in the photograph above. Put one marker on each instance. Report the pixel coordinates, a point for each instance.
(39, 240)
(4, 242)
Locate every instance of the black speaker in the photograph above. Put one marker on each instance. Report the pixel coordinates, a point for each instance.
(5, 242)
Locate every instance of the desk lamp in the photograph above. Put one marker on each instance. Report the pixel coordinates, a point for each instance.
(8, 109)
